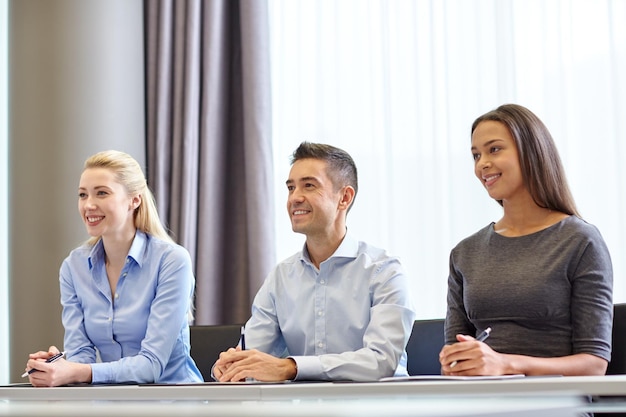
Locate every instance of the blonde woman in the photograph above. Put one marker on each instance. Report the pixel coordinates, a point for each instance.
(126, 293)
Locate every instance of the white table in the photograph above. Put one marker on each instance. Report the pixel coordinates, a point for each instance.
(525, 396)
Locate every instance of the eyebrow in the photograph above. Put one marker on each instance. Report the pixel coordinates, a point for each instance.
(96, 187)
(290, 181)
(489, 142)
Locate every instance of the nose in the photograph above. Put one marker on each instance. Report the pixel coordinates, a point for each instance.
(88, 203)
(483, 162)
(295, 196)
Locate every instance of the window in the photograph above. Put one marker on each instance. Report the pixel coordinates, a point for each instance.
(398, 84)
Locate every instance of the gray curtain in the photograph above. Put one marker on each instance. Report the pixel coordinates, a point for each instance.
(209, 154)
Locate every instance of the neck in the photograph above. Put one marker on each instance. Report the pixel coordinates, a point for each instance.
(116, 248)
(523, 219)
(321, 248)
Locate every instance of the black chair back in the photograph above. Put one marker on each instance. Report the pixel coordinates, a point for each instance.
(207, 342)
(617, 366)
(425, 343)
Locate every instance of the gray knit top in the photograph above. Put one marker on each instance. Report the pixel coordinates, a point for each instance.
(546, 294)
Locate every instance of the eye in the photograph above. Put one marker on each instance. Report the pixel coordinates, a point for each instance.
(309, 185)
(82, 195)
(290, 188)
(102, 193)
(475, 156)
(494, 149)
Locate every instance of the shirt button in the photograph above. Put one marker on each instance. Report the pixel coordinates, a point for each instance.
(117, 295)
(127, 260)
(319, 313)
(320, 344)
(124, 274)
(322, 282)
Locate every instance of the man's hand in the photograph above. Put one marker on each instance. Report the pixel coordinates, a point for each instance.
(237, 365)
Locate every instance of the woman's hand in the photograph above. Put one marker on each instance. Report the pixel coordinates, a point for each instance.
(59, 372)
(469, 357)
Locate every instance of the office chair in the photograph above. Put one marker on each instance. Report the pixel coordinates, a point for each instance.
(207, 342)
(617, 366)
(425, 343)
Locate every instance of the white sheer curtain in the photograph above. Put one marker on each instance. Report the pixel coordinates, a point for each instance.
(398, 84)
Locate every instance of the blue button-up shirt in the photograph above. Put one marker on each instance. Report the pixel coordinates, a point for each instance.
(349, 320)
(141, 332)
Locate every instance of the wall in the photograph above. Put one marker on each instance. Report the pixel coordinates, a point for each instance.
(4, 259)
(76, 87)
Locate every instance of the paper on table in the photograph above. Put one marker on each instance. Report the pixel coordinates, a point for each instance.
(450, 378)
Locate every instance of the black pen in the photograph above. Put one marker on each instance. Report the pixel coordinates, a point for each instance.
(481, 338)
(49, 360)
(242, 340)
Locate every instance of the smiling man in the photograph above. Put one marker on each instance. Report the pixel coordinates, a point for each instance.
(337, 310)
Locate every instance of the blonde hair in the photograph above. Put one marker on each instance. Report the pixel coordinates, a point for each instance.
(128, 173)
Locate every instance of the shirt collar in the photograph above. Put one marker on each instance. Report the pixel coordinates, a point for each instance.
(349, 248)
(137, 249)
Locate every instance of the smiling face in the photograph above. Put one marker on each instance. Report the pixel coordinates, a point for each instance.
(315, 208)
(496, 161)
(104, 204)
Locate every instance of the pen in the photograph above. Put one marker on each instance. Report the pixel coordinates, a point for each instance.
(481, 338)
(242, 340)
(49, 360)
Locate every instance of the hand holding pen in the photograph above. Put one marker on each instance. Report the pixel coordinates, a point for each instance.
(480, 338)
(242, 339)
(49, 360)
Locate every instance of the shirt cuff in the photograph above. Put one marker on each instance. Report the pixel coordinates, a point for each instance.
(98, 373)
(308, 368)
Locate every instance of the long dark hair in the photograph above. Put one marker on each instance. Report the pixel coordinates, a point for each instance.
(542, 170)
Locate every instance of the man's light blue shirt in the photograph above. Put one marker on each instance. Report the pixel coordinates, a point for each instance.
(349, 320)
(141, 332)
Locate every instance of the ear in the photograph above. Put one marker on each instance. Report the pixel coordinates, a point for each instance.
(347, 197)
(135, 202)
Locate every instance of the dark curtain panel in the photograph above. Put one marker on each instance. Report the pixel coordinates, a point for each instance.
(209, 147)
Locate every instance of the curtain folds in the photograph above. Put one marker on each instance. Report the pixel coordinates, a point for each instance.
(209, 152)
(398, 85)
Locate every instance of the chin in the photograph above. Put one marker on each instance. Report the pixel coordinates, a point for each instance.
(298, 229)
(93, 233)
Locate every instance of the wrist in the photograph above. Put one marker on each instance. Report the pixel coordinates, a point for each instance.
(293, 372)
(85, 373)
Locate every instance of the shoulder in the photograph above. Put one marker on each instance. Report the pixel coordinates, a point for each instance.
(287, 265)
(575, 232)
(576, 226)
(581, 236)
(374, 253)
(377, 262)
(290, 261)
(474, 239)
(157, 248)
(78, 256)
(81, 251)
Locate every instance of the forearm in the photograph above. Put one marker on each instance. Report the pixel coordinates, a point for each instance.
(573, 365)
(81, 373)
(141, 368)
(361, 365)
